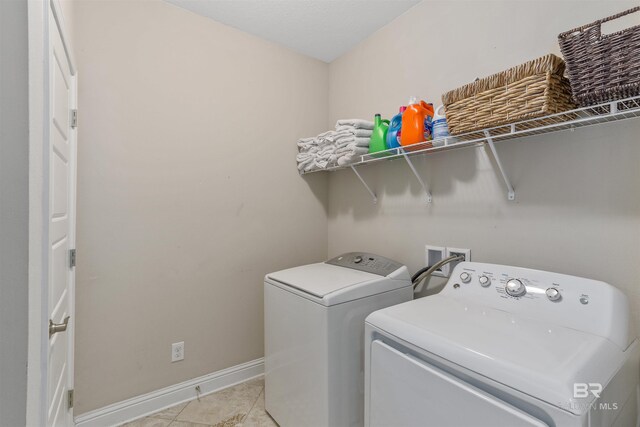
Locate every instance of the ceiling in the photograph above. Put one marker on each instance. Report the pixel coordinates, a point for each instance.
(322, 29)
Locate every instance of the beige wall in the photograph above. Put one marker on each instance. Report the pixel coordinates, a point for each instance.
(187, 192)
(14, 211)
(183, 207)
(577, 209)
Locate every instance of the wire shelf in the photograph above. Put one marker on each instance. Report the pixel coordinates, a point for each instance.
(568, 120)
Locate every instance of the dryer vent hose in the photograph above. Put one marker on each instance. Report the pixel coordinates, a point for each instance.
(426, 271)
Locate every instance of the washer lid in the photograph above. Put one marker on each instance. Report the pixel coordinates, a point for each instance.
(537, 358)
(321, 279)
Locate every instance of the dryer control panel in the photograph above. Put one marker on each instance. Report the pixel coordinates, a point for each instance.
(576, 302)
(364, 261)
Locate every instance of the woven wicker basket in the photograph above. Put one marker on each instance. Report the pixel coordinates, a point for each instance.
(533, 89)
(602, 67)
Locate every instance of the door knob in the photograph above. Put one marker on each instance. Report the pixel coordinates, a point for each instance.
(54, 328)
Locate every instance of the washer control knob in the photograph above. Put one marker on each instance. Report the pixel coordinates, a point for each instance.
(357, 260)
(553, 294)
(515, 288)
(484, 281)
(465, 277)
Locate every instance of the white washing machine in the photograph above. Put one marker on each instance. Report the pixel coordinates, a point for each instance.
(504, 346)
(314, 329)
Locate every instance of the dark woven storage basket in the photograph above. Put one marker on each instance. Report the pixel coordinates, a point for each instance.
(534, 89)
(602, 67)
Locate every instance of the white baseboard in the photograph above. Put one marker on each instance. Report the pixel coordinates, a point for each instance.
(158, 400)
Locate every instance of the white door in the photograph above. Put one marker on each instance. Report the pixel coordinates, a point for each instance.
(407, 392)
(61, 203)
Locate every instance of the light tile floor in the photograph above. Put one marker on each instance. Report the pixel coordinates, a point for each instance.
(239, 406)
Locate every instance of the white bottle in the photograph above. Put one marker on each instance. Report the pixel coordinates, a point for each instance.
(440, 127)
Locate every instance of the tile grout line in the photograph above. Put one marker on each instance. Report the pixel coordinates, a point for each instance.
(175, 418)
(179, 412)
(171, 421)
(253, 406)
(189, 422)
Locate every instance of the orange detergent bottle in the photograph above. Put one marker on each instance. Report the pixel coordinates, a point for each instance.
(416, 123)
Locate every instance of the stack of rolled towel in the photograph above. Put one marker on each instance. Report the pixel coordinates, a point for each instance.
(340, 147)
(316, 152)
(354, 139)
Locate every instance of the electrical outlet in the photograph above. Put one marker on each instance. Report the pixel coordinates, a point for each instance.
(435, 254)
(457, 251)
(177, 351)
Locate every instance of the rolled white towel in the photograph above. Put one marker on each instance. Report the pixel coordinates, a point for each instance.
(356, 123)
(312, 151)
(344, 142)
(328, 139)
(325, 148)
(354, 131)
(350, 158)
(347, 131)
(304, 156)
(324, 138)
(360, 142)
(321, 164)
(328, 135)
(352, 149)
(306, 145)
(363, 142)
(324, 155)
(302, 166)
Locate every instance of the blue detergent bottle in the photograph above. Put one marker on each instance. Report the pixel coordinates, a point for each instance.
(395, 127)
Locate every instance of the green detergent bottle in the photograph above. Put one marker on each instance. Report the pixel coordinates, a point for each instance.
(379, 136)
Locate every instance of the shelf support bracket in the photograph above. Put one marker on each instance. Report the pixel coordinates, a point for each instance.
(511, 194)
(418, 177)
(373, 195)
(613, 107)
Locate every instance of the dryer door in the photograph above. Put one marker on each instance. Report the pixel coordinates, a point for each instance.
(407, 392)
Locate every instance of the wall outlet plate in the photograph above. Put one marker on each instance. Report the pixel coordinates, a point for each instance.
(177, 351)
(434, 254)
(457, 251)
